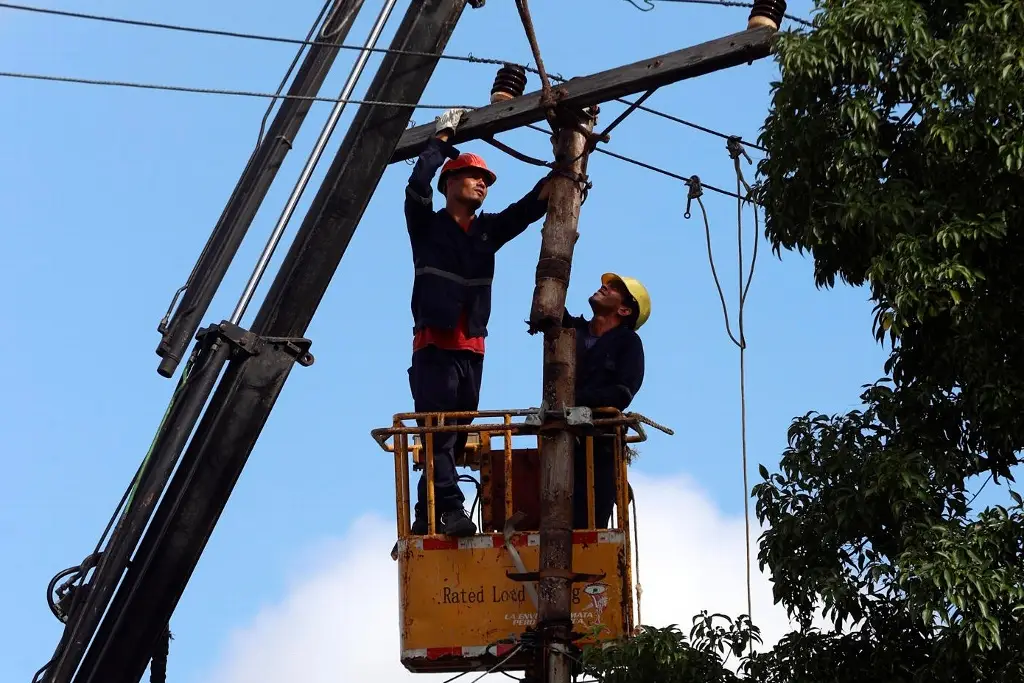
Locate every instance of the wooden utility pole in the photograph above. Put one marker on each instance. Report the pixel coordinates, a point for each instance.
(558, 237)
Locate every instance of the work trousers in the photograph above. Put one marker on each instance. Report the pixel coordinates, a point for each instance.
(604, 482)
(443, 380)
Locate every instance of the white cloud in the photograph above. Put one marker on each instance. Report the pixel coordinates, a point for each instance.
(340, 622)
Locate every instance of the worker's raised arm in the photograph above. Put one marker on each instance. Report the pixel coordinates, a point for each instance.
(515, 219)
(419, 197)
(629, 376)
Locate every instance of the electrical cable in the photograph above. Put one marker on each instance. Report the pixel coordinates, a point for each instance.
(509, 656)
(670, 174)
(494, 668)
(649, 167)
(735, 151)
(743, 382)
(720, 3)
(249, 36)
(470, 58)
(636, 562)
(638, 104)
(695, 126)
(219, 91)
(470, 479)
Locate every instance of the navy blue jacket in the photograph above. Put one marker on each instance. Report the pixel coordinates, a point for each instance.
(611, 371)
(454, 267)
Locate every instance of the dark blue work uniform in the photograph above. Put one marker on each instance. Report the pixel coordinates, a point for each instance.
(609, 373)
(454, 268)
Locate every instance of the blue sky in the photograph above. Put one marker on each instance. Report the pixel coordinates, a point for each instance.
(108, 195)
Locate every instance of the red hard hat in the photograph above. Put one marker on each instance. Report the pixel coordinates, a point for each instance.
(465, 160)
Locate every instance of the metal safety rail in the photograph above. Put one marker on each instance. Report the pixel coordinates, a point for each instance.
(417, 440)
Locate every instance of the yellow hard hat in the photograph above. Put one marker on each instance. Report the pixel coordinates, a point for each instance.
(638, 292)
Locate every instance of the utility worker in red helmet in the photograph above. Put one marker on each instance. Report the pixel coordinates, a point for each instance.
(453, 254)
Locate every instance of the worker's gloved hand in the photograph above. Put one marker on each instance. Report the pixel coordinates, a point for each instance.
(449, 121)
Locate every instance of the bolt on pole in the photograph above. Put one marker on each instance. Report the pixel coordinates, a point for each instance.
(558, 237)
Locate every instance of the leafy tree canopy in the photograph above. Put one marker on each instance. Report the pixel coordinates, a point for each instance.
(896, 160)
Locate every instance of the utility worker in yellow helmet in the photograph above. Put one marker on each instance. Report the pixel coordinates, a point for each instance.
(609, 373)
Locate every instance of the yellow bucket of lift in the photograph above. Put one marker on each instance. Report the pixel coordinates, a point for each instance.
(459, 610)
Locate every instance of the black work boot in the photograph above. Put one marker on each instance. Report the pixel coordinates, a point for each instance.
(456, 523)
(452, 523)
(419, 522)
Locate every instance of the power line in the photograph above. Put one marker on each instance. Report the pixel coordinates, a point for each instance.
(218, 91)
(245, 35)
(697, 126)
(720, 3)
(650, 167)
(670, 174)
(266, 95)
(470, 58)
(638, 104)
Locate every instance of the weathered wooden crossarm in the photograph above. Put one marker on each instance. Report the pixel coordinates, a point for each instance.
(584, 91)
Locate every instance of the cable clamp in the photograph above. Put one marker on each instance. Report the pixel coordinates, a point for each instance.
(696, 191)
(735, 146)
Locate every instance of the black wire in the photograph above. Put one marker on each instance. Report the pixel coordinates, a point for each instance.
(307, 42)
(714, 275)
(647, 166)
(248, 36)
(220, 91)
(720, 3)
(696, 126)
(670, 174)
(638, 104)
(468, 478)
(52, 586)
(489, 671)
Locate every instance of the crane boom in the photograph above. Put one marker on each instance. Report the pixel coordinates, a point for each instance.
(259, 361)
(198, 380)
